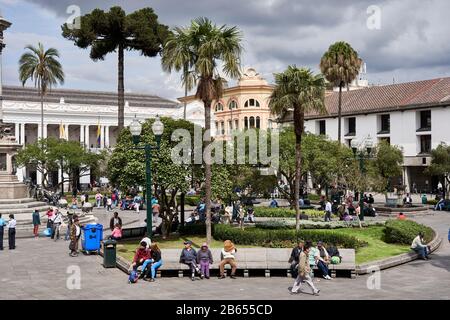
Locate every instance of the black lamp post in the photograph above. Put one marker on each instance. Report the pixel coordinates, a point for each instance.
(362, 151)
(158, 129)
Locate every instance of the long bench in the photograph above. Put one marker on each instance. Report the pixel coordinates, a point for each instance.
(252, 259)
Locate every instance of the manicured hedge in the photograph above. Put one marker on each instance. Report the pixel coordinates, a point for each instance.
(283, 238)
(404, 232)
(432, 202)
(308, 224)
(285, 212)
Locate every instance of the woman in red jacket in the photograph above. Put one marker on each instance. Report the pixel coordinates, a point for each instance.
(142, 254)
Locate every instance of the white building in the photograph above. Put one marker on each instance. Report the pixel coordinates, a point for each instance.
(414, 116)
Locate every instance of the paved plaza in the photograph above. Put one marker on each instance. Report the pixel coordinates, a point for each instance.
(40, 269)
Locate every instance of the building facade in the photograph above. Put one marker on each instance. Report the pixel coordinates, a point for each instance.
(413, 116)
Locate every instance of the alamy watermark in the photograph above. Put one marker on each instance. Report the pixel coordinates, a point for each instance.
(374, 19)
(73, 281)
(374, 280)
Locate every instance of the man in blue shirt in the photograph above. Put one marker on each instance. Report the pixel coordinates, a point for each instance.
(2, 228)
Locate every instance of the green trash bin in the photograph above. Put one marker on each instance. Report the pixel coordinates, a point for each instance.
(109, 253)
(424, 199)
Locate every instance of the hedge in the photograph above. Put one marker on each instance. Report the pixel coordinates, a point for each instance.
(192, 201)
(285, 213)
(308, 224)
(404, 232)
(283, 238)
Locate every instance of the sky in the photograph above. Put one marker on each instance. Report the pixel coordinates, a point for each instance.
(399, 40)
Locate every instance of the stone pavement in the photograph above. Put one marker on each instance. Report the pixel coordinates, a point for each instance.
(38, 269)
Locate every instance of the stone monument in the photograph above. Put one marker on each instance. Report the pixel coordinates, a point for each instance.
(10, 187)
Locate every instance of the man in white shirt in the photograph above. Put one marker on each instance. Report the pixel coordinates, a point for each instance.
(57, 221)
(11, 232)
(328, 211)
(420, 248)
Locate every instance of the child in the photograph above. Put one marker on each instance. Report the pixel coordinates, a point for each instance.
(142, 254)
(204, 258)
(11, 232)
(108, 204)
(189, 257)
(117, 232)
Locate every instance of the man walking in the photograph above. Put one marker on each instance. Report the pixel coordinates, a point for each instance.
(328, 209)
(304, 271)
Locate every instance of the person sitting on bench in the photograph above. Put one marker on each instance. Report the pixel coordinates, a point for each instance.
(142, 254)
(407, 201)
(189, 257)
(419, 247)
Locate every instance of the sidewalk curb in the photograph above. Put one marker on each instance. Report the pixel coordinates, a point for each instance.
(396, 260)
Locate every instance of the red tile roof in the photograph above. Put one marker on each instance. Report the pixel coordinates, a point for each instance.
(390, 97)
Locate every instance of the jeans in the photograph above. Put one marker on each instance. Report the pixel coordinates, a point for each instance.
(55, 230)
(323, 268)
(154, 267)
(145, 264)
(422, 251)
(204, 267)
(299, 281)
(12, 238)
(99, 203)
(193, 267)
(327, 216)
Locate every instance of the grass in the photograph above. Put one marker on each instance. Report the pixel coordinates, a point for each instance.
(126, 249)
(375, 250)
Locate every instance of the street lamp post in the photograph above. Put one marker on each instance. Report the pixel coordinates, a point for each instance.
(158, 129)
(359, 151)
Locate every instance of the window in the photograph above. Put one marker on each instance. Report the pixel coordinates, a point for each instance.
(230, 126)
(269, 124)
(246, 123)
(251, 103)
(351, 125)
(258, 123)
(252, 122)
(222, 127)
(232, 105)
(219, 107)
(425, 120)
(3, 160)
(385, 121)
(236, 124)
(321, 127)
(217, 128)
(425, 144)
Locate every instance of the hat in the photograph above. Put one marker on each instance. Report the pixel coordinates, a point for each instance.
(188, 242)
(205, 245)
(228, 245)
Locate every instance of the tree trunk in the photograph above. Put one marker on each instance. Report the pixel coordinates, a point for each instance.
(340, 113)
(185, 103)
(207, 137)
(121, 89)
(42, 130)
(182, 208)
(298, 126)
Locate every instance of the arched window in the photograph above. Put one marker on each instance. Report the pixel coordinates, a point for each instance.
(246, 123)
(236, 124)
(222, 128)
(252, 122)
(252, 103)
(217, 128)
(232, 105)
(258, 123)
(219, 107)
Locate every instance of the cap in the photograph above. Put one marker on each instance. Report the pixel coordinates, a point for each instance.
(188, 242)
(204, 245)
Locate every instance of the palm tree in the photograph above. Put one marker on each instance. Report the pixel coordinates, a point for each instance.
(42, 67)
(197, 51)
(301, 91)
(340, 65)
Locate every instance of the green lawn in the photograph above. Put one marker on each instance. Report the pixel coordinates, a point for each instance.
(376, 250)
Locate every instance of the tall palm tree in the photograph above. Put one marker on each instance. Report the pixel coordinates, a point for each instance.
(197, 51)
(340, 65)
(43, 68)
(301, 91)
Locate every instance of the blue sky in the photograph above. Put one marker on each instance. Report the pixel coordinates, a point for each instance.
(412, 43)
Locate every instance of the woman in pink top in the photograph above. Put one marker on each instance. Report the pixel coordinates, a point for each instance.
(117, 232)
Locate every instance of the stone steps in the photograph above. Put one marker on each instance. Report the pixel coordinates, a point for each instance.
(24, 211)
(31, 204)
(15, 201)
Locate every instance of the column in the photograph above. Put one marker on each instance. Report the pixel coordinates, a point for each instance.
(17, 133)
(82, 129)
(107, 136)
(102, 137)
(45, 130)
(22, 133)
(406, 181)
(66, 129)
(86, 137)
(39, 131)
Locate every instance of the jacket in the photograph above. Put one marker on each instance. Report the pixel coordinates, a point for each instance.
(188, 255)
(36, 218)
(111, 223)
(204, 256)
(303, 265)
(295, 255)
(141, 254)
(156, 255)
(228, 254)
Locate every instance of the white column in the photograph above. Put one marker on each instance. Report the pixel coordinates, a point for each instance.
(22, 133)
(45, 130)
(82, 131)
(66, 129)
(86, 137)
(406, 181)
(107, 137)
(39, 131)
(17, 133)
(102, 137)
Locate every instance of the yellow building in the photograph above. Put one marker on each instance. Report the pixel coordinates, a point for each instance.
(244, 106)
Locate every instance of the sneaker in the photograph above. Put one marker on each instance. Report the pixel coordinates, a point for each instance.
(201, 276)
(206, 277)
(193, 278)
(222, 277)
(233, 276)
(152, 280)
(327, 277)
(316, 293)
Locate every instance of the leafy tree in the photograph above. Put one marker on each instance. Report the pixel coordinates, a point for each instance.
(43, 68)
(302, 91)
(112, 31)
(126, 166)
(52, 154)
(198, 51)
(340, 65)
(440, 164)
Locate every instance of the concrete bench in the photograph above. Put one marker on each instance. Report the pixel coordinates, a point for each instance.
(251, 259)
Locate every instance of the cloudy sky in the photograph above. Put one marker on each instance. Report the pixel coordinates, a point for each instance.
(409, 42)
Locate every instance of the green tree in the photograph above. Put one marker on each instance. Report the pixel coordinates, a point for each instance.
(52, 154)
(440, 164)
(116, 31)
(198, 51)
(301, 91)
(43, 68)
(126, 166)
(340, 65)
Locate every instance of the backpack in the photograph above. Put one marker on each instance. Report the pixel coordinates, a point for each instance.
(335, 260)
(133, 278)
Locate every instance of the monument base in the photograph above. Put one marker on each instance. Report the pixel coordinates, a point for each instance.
(10, 187)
